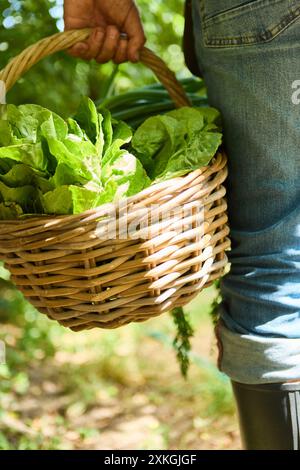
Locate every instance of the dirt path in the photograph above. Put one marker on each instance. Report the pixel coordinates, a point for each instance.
(76, 401)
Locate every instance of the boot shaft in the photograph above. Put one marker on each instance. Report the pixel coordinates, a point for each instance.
(269, 415)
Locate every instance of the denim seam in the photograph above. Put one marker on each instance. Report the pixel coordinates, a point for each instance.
(265, 37)
(236, 11)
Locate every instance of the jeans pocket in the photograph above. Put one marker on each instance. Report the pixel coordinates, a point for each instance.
(246, 23)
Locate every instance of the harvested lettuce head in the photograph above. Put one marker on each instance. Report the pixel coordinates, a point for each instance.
(178, 142)
(52, 166)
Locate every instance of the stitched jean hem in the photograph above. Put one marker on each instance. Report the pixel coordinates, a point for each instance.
(253, 359)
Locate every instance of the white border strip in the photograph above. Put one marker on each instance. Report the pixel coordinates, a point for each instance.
(2, 92)
(2, 353)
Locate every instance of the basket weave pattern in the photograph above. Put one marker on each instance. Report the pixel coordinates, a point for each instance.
(74, 275)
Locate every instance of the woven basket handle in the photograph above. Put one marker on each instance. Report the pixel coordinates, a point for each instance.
(61, 41)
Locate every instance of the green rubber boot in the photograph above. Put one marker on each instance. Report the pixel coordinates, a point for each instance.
(269, 415)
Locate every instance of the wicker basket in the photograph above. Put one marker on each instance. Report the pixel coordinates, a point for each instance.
(69, 270)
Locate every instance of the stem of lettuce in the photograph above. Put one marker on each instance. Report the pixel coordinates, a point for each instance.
(182, 340)
(215, 306)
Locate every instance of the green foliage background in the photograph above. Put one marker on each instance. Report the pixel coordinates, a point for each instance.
(59, 81)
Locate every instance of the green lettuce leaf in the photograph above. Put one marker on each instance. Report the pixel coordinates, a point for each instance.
(197, 153)
(107, 129)
(5, 134)
(78, 161)
(10, 211)
(25, 196)
(90, 121)
(30, 154)
(127, 172)
(121, 135)
(24, 122)
(74, 129)
(180, 141)
(23, 175)
(70, 200)
(54, 127)
(190, 119)
(156, 140)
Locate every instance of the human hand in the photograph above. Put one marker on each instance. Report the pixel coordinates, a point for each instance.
(109, 18)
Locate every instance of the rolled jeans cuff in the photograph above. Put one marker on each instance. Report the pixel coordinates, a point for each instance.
(253, 359)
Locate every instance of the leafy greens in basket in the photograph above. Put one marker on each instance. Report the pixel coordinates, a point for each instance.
(52, 166)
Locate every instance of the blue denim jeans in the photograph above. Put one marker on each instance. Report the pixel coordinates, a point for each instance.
(249, 53)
